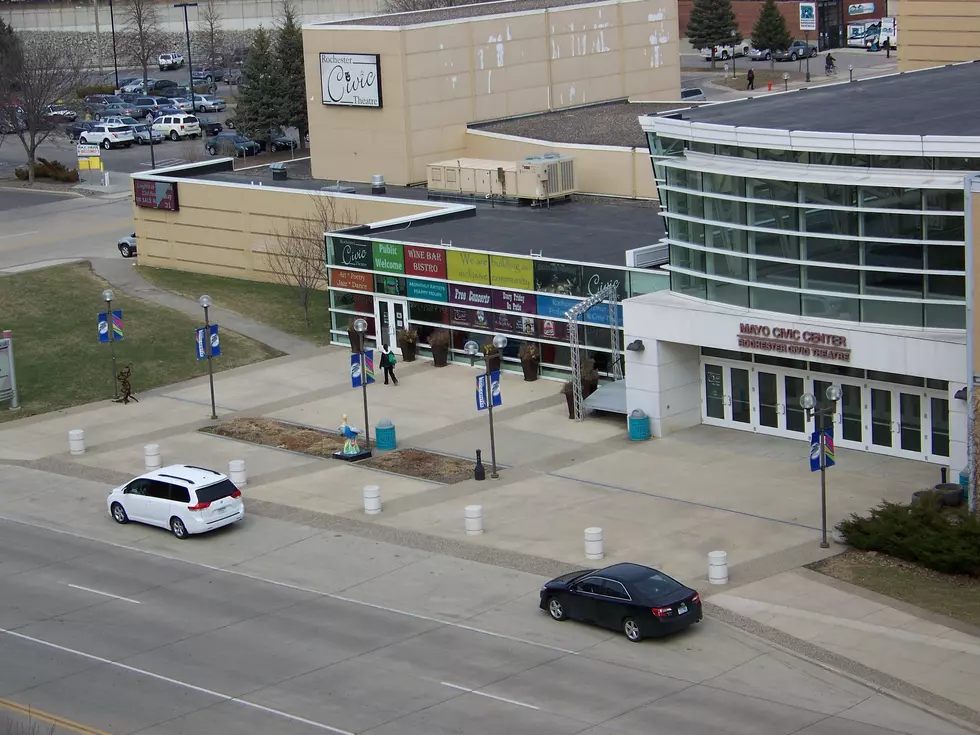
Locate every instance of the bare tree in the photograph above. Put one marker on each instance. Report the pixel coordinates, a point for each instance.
(409, 6)
(296, 256)
(19, 727)
(209, 20)
(36, 71)
(142, 35)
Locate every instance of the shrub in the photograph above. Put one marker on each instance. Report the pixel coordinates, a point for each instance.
(944, 539)
(408, 336)
(86, 89)
(528, 351)
(45, 169)
(439, 338)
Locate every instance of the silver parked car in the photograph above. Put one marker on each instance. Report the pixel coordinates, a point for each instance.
(127, 246)
(208, 103)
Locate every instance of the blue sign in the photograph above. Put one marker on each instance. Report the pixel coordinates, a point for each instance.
(481, 390)
(556, 306)
(202, 348)
(428, 290)
(117, 330)
(355, 368)
(828, 452)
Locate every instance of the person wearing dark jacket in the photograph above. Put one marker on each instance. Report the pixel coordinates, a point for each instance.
(388, 364)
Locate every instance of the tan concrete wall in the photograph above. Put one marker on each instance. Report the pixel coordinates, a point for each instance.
(436, 78)
(933, 32)
(606, 170)
(223, 229)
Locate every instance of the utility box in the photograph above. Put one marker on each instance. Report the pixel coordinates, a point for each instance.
(551, 176)
(473, 177)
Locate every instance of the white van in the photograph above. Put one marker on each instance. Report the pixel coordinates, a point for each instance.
(177, 127)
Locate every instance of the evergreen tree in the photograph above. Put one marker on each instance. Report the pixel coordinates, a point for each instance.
(260, 100)
(292, 72)
(712, 24)
(770, 31)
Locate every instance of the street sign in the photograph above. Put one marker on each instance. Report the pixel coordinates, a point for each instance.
(808, 16)
(87, 150)
(828, 449)
(202, 348)
(481, 390)
(355, 368)
(117, 326)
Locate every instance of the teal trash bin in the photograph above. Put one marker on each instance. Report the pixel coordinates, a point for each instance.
(965, 483)
(639, 426)
(384, 435)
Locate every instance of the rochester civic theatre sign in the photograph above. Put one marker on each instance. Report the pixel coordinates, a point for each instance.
(794, 342)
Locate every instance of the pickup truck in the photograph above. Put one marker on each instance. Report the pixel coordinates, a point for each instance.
(171, 60)
(726, 52)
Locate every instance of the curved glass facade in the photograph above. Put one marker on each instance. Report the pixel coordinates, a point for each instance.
(849, 251)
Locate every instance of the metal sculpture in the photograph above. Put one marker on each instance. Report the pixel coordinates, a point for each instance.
(610, 294)
(124, 384)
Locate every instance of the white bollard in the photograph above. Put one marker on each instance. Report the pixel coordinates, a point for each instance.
(237, 473)
(372, 499)
(474, 519)
(593, 543)
(76, 441)
(151, 453)
(718, 567)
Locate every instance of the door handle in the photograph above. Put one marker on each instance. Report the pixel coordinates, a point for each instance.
(727, 400)
(781, 409)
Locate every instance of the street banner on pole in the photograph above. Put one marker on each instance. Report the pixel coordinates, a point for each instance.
(481, 390)
(814, 451)
(828, 447)
(202, 348)
(355, 368)
(117, 326)
(808, 16)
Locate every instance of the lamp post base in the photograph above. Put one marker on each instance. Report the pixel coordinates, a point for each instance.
(824, 545)
(365, 454)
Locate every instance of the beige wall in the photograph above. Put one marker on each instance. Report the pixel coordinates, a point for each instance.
(436, 78)
(606, 170)
(223, 229)
(933, 32)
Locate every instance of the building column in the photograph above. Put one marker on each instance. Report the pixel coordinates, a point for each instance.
(664, 382)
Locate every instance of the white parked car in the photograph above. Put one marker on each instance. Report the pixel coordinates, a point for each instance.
(726, 52)
(177, 127)
(107, 136)
(171, 60)
(208, 103)
(141, 130)
(183, 498)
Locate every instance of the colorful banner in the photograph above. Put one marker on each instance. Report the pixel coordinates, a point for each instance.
(351, 280)
(512, 272)
(388, 257)
(482, 401)
(117, 326)
(468, 267)
(428, 290)
(558, 278)
(470, 295)
(355, 368)
(202, 348)
(390, 285)
(522, 303)
(428, 262)
(556, 306)
(351, 253)
(554, 330)
(828, 449)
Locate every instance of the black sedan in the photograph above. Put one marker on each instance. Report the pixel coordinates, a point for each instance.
(77, 128)
(640, 601)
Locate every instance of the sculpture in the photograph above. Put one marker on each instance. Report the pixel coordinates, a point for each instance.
(350, 435)
(124, 384)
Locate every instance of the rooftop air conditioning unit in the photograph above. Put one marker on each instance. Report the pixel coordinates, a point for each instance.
(472, 178)
(551, 176)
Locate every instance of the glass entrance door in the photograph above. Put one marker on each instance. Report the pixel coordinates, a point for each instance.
(391, 315)
(902, 422)
(726, 393)
(778, 403)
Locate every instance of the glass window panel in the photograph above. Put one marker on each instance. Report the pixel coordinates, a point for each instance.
(725, 210)
(946, 258)
(774, 216)
(898, 226)
(857, 160)
(835, 194)
(779, 362)
(748, 153)
(940, 426)
(687, 284)
(795, 416)
(698, 147)
(827, 368)
(775, 273)
(768, 399)
(901, 285)
(714, 391)
(726, 150)
(687, 258)
(723, 184)
(896, 378)
(944, 200)
(726, 354)
(822, 158)
(833, 279)
(661, 146)
(685, 231)
(831, 221)
(831, 307)
(774, 244)
(881, 417)
(845, 252)
(910, 410)
(728, 293)
(939, 316)
(641, 283)
(729, 266)
(363, 303)
(725, 238)
(958, 164)
(767, 299)
(946, 287)
(893, 256)
(944, 227)
(851, 412)
(781, 191)
(892, 312)
(906, 162)
(419, 311)
(932, 384)
(741, 408)
(684, 179)
(773, 154)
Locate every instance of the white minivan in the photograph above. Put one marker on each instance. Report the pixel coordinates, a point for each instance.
(177, 127)
(183, 498)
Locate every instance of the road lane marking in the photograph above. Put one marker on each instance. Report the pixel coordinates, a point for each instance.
(48, 718)
(106, 594)
(19, 234)
(57, 237)
(299, 588)
(488, 696)
(176, 682)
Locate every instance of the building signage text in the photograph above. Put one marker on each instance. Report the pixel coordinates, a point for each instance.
(795, 342)
(155, 195)
(352, 280)
(468, 267)
(428, 262)
(352, 253)
(469, 295)
(511, 272)
(388, 257)
(351, 80)
(524, 303)
(861, 9)
(427, 290)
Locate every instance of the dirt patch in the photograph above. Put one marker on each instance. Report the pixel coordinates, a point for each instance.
(947, 594)
(424, 465)
(319, 443)
(765, 75)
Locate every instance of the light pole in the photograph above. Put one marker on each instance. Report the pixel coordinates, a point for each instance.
(205, 302)
(187, 30)
(850, 72)
(107, 297)
(809, 403)
(786, 81)
(115, 61)
(806, 36)
(472, 349)
(360, 326)
(735, 41)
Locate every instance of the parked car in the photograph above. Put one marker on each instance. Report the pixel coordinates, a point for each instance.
(107, 136)
(796, 50)
(145, 107)
(13, 119)
(119, 109)
(177, 125)
(160, 87)
(165, 110)
(126, 81)
(184, 105)
(209, 128)
(759, 54)
(141, 130)
(77, 128)
(277, 141)
(59, 113)
(135, 85)
(97, 102)
(183, 498)
(171, 60)
(693, 94)
(640, 601)
(127, 246)
(233, 76)
(207, 74)
(224, 143)
(208, 103)
(726, 52)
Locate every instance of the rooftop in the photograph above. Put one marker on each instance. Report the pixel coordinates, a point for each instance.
(611, 123)
(945, 103)
(458, 12)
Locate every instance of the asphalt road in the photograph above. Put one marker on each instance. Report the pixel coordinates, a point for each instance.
(860, 60)
(274, 627)
(18, 200)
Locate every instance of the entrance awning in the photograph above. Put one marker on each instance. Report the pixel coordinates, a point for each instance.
(610, 397)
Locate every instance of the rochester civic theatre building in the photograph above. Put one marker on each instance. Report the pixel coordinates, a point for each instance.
(814, 240)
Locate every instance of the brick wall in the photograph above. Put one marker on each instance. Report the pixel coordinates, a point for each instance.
(746, 12)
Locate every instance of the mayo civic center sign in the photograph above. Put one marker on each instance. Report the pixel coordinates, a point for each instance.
(351, 80)
(794, 342)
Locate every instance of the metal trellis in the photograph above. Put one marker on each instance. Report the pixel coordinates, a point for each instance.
(610, 294)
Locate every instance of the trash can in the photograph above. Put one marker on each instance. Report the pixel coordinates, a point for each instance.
(965, 483)
(384, 435)
(639, 426)
(278, 171)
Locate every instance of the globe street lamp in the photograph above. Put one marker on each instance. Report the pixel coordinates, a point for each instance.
(360, 326)
(472, 350)
(205, 302)
(809, 404)
(107, 297)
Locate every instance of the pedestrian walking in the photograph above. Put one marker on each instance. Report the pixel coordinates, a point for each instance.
(888, 47)
(388, 363)
(751, 77)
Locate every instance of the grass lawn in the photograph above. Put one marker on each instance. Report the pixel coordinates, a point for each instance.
(59, 360)
(955, 596)
(764, 75)
(268, 303)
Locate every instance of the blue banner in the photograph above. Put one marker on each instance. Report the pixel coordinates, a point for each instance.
(117, 326)
(481, 390)
(202, 348)
(555, 307)
(828, 449)
(355, 368)
(428, 290)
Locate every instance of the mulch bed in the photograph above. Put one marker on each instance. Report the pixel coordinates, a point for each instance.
(319, 443)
